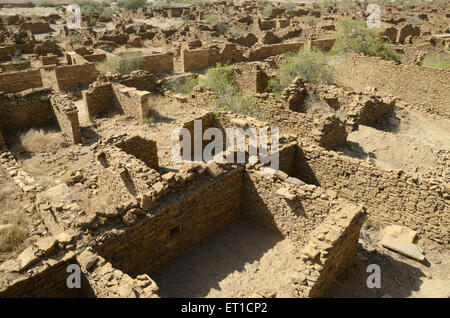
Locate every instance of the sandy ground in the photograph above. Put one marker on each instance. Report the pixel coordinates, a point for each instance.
(242, 260)
(413, 143)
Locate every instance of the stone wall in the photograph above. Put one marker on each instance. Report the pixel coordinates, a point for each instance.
(285, 204)
(131, 101)
(273, 49)
(19, 81)
(46, 282)
(70, 76)
(98, 99)
(49, 60)
(158, 63)
(26, 111)
(331, 249)
(3, 146)
(142, 148)
(105, 281)
(250, 77)
(67, 117)
(203, 58)
(195, 59)
(175, 226)
(422, 88)
(15, 66)
(391, 197)
(65, 77)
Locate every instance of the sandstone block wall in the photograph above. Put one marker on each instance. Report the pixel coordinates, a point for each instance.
(15, 66)
(285, 204)
(98, 99)
(331, 249)
(36, 27)
(19, 81)
(158, 63)
(273, 49)
(195, 59)
(131, 101)
(70, 76)
(173, 228)
(49, 60)
(391, 197)
(46, 283)
(422, 88)
(142, 148)
(67, 117)
(32, 111)
(250, 77)
(3, 146)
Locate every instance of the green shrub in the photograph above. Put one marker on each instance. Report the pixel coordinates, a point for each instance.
(131, 4)
(75, 38)
(47, 4)
(310, 20)
(92, 7)
(210, 18)
(93, 21)
(437, 61)
(106, 48)
(221, 81)
(235, 32)
(312, 65)
(185, 86)
(149, 121)
(124, 63)
(355, 36)
(3, 18)
(267, 10)
(11, 238)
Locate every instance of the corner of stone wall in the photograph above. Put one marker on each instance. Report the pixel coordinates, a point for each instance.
(330, 251)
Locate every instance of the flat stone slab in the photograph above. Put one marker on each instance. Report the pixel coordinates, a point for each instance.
(403, 247)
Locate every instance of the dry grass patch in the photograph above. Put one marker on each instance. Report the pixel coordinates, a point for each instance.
(39, 140)
(12, 232)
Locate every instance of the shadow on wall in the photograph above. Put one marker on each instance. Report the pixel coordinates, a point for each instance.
(302, 170)
(398, 279)
(201, 268)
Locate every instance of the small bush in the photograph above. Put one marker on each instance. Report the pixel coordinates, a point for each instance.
(312, 65)
(124, 63)
(92, 7)
(106, 48)
(9, 69)
(310, 20)
(75, 38)
(210, 18)
(93, 21)
(185, 86)
(47, 4)
(267, 10)
(235, 32)
(149, 121)
(355, 36)
(131, 4)
(41, 141)
(221, 81)
(437, 61)
(3, 18)
(12, 237)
